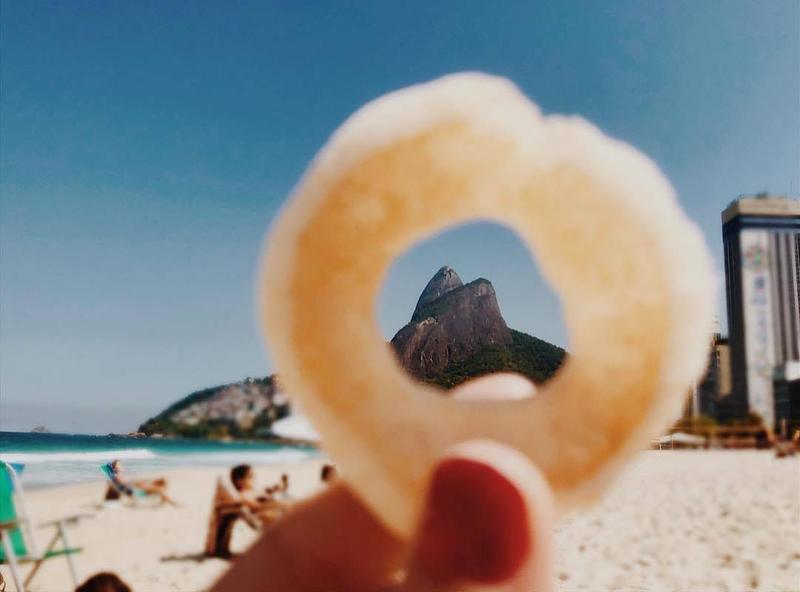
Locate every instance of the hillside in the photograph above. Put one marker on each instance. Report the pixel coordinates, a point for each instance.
(243, 409)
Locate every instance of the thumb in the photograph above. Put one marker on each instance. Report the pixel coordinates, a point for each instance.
(488, 523)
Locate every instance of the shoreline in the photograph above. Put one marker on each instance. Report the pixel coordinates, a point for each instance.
(54, 460)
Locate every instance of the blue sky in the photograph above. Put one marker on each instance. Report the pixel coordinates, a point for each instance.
(144, 148)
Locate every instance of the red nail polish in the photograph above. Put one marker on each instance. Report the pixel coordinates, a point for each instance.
(476, 526)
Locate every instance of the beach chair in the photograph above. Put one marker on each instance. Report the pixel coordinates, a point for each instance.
(124, 494)
(19, 544)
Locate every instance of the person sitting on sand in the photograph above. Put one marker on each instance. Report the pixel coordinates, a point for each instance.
(789, 447)
(265, 507)
(154, 487)
(239, 501)
(285, 486)
(328, 474)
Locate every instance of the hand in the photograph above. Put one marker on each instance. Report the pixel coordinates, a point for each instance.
(488, 522)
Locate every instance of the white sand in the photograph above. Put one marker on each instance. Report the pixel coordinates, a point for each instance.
(686, 521)
(689, 521)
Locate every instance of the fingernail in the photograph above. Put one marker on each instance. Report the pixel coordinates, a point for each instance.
(475, 527)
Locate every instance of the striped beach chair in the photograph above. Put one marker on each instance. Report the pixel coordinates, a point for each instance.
(19, 544)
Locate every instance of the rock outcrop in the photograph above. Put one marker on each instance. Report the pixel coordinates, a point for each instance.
(445, 280)
(451, 327)
(457, 331)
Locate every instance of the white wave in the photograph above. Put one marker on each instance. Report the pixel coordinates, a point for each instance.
(96, 456)
(247, 456)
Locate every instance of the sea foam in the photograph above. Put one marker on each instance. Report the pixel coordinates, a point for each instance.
(93, 457)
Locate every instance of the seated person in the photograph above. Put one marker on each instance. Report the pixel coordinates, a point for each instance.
(122, 485)
(238, 500)
(787, 448)
(328, 474)
(265, 507)
(281, 489)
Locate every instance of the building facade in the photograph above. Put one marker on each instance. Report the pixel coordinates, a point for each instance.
(714, 385)
(761, 237)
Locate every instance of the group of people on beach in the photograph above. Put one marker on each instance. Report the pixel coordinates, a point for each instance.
(235, 498)
(238, 499)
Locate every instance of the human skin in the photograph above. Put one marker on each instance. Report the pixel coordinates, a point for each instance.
(487, 524)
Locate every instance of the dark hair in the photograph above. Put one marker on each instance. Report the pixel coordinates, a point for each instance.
(103, 582)
(239, 472)
(328, 472)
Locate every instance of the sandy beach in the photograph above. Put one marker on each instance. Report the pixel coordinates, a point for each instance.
(674, 521)
(152, 549)
(689, 521)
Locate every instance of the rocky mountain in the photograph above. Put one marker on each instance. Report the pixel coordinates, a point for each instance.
(243, 409)
(445, 280)
(457, 332)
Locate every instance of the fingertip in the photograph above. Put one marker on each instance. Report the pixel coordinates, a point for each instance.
(488, 520)
(499, 386)
(475, 527)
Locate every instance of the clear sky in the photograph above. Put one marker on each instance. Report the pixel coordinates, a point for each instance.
(144, 148)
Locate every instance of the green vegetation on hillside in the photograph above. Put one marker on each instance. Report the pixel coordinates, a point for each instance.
(212, 429)
(209, 414)
(535, 358)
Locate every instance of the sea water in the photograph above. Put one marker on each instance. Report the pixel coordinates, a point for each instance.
(63, 459)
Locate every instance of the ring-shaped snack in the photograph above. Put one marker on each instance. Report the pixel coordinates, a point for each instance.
(632, 272)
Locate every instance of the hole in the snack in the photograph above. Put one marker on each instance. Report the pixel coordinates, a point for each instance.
(468, 302)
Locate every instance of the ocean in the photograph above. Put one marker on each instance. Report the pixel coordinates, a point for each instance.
(64, 459)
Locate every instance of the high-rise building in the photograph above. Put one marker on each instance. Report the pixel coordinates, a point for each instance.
(761, 236)
(714, 385)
